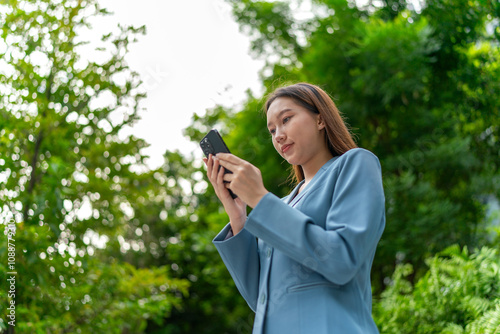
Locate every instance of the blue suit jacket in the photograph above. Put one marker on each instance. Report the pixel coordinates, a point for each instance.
(303, 262)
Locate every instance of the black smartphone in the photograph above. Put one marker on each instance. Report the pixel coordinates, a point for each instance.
(213, 143)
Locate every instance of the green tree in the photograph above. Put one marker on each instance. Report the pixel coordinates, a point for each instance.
(67, 179)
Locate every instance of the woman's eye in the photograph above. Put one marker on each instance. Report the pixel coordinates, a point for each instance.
(286, 119)
(272, 131)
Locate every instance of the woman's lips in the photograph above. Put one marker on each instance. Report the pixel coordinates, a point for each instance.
(286, 148)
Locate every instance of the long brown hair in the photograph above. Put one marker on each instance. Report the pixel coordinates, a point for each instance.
(317, 101)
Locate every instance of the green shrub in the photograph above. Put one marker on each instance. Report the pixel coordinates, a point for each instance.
(460, 293)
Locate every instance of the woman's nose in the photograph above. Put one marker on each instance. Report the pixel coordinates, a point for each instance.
(279, 136)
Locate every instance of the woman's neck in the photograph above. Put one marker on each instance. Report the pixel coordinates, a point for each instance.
(312, 167)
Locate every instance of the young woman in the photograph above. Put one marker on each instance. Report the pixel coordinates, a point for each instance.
(303, 262)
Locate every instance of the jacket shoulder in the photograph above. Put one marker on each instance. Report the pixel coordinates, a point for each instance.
(355, 161)
(358, 155)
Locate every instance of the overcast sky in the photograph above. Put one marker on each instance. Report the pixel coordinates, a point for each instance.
(192, 57)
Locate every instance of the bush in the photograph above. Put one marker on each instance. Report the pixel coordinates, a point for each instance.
(460, 293)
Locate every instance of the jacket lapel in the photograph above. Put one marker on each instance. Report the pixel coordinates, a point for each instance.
(295, 199)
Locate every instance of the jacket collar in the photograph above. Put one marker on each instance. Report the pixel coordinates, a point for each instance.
(294, 198)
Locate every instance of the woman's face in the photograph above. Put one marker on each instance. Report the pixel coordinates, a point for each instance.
(296, 132)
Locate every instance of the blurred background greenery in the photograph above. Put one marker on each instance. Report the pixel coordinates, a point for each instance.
(418, 82)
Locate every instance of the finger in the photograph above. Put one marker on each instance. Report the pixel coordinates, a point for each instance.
(229, 157)
(220, 177)
(220, 183)
(228, 177)
(215, 169)
(228, 164)
(208, 164)
(224, 156)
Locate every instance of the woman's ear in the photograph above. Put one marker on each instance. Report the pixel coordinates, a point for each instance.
(320, 122)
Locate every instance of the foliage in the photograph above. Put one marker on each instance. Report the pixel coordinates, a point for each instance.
(69, 180)
(459, 294)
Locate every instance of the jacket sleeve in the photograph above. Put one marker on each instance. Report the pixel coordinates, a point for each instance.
(354, 222)
(240, 255)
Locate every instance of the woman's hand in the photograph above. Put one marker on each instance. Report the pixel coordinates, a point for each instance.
(236, 209)
(246, 179)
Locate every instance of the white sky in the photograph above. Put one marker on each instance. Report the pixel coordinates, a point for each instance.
(192, 58)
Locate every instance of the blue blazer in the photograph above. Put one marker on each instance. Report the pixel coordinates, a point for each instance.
(303, 262)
